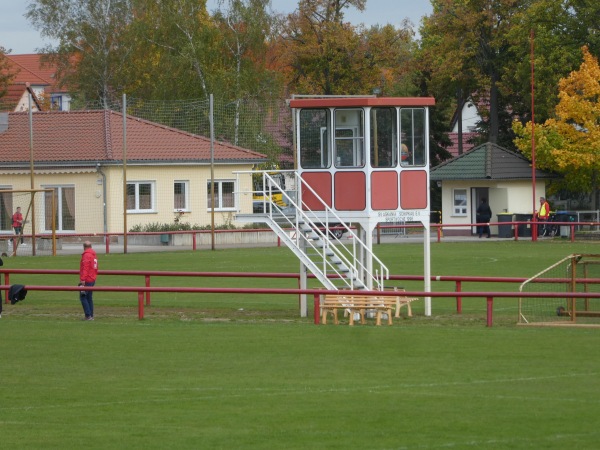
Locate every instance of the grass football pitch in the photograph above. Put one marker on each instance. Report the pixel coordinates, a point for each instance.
(223, 371)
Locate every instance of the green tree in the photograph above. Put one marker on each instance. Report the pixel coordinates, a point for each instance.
(91, 49)
(569, 143)
(559, 29)
(464, 48)
(6, 72)
(320, 53)
(176, 50)
(245, 27)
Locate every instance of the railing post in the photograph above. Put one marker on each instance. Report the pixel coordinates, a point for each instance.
(107, 243)
(516, 229)
(140, 305)
(317, 309)
(490, 309)
(7, 283)
(193, 241)
(572, 232)
(458, 297)
(147, 279)
(439, 234)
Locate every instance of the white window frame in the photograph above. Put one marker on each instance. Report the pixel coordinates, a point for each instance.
(9, 213)
(137, 209)
(59, 207)
(219, 195)
(460, 202)
(186, 195)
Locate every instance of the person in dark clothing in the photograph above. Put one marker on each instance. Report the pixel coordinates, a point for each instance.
(484, 214)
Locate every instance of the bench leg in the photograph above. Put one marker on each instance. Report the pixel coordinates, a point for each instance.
(333, 312)
(389, 314)
(399, 305)
(378, 317)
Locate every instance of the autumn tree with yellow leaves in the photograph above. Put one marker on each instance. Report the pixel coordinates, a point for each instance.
(569, 143)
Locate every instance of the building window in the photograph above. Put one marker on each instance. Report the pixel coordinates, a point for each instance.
(314, 139)
(384, 135)
(64, 219)
(56, 102)
(349, 141)
(224, 197)
(6, 209)
(412, 137)
(460, 202)
(180, 195)
(140, 196)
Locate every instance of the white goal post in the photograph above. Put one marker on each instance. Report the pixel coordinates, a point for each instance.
(38, 231)
(576, 273)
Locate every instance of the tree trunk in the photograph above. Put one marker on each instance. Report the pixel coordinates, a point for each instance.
(494, 126)
(459, 119)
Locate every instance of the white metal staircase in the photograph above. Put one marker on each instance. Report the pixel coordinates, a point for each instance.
(308, 233)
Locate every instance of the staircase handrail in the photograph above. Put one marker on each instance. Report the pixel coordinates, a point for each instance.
(301, 214)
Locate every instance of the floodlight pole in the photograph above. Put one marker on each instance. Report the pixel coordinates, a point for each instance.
(124, 109)
(533, 232)
(31, 175)
(212, 174)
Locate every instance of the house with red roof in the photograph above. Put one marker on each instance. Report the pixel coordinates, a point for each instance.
(469, 116)
(81, 156)
(38, 78)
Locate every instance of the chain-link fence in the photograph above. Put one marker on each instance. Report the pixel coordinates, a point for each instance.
(93, 196)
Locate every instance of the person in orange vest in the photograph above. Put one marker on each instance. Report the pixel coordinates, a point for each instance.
(542, 216)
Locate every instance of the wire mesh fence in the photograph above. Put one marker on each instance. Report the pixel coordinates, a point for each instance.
(93, 197)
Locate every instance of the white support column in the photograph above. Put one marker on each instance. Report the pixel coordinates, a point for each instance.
(427, 268)
(303, 282)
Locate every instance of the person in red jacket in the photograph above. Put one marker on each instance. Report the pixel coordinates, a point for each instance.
(88, 271)
(17, 219)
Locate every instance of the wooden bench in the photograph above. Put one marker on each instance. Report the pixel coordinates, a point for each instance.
(356, 304)
(402, 301)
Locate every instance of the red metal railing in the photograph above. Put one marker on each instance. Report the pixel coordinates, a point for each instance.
(107, 237)
(144, 292)
(489, 296)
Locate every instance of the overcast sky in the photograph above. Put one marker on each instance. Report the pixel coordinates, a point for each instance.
(17, 34)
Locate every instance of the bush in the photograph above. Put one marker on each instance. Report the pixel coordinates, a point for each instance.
(156, 226)
(176, 226)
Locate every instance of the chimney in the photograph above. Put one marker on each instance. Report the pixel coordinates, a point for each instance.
(3, 122)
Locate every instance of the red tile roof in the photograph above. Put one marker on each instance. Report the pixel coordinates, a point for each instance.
(14, 94)
(31, 70)
(97, 136)
(453, 149)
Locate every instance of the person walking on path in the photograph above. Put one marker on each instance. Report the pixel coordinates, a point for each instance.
(88, 271)
(484, 214)
(17, 223)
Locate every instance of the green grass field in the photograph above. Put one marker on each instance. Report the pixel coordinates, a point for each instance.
(221, 371)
